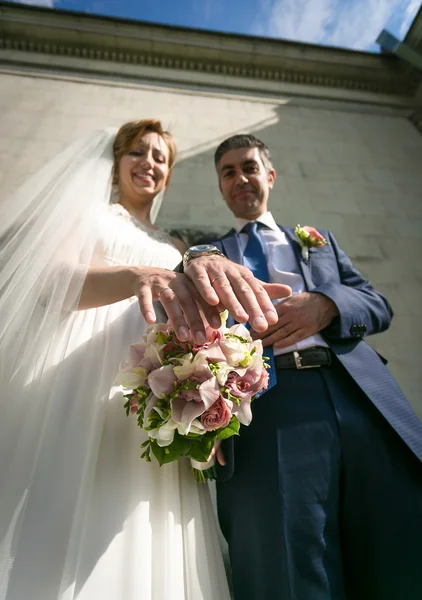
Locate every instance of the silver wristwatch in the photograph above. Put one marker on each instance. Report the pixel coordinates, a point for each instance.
(197, 251)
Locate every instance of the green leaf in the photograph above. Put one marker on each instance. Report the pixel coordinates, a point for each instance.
(161, 455)
(180, 444)
(201, 449)
(231, 429)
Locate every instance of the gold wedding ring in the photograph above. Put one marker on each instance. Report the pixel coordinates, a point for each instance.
(162, 291)
(215, 279)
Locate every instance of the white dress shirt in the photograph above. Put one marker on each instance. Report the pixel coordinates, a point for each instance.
(282, 268)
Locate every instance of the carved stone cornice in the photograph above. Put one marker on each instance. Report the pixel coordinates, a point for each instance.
(414, 36)
(416, 119)
(28, 31)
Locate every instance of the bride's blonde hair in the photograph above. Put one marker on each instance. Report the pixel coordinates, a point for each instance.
(129, 133)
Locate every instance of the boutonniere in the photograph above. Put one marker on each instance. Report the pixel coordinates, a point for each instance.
(309, 237)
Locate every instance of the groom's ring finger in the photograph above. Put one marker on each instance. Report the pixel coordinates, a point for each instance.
(229, 297)
(261, 297)
(248, 297)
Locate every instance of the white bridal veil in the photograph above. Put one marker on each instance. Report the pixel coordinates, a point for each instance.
(81, 516)
(47, 239)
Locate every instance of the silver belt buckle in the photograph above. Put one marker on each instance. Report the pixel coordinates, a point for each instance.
(298, 362)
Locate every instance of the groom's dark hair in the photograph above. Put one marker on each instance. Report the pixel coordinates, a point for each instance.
(244, 140)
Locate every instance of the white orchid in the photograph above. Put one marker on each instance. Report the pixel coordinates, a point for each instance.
(164, 435)
(195, 366)
(161, 380)
(131, 378)
(241, 331)
(154, 353)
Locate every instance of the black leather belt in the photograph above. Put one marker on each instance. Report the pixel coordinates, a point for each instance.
(304, 359)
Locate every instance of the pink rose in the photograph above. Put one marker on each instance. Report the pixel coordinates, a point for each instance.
(317, 238)
(217, 416)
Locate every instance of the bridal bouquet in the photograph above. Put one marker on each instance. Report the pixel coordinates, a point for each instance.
(186, 397)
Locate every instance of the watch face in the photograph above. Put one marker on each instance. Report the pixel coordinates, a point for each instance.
(202, 248)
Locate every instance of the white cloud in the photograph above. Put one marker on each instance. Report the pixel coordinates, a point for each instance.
(409, 15)
(352, 24)
(208, 9)
(45, 3)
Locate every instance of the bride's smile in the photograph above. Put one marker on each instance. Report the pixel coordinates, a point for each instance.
(142, 178)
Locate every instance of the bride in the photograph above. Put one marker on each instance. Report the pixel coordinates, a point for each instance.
(81, 516)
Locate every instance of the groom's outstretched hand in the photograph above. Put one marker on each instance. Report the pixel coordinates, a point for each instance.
(227, 285)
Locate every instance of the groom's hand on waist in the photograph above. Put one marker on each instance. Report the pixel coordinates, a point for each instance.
(230, 286)
(299, 317)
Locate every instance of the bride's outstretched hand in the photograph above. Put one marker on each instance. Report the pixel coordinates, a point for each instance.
(180, 299)
(227, 285)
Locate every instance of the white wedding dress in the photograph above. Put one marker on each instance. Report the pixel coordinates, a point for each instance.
(82, 517)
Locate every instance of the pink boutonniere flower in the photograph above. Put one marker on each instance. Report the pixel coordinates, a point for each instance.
(309, 237)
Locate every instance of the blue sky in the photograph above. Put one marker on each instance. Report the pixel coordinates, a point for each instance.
(346, 23)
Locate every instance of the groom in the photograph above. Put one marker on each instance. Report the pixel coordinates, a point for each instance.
(321, 496)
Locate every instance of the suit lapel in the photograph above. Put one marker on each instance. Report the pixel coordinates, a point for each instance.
(304, 266)
(231, 247)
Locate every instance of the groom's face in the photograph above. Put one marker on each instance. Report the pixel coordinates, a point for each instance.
(244, 182)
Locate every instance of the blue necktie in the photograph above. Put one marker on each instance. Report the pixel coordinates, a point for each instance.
(254, 258)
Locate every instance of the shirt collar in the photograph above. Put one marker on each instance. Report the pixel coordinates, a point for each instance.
(266, 219)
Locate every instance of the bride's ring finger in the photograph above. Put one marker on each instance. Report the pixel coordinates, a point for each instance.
(172, 306)
(162, 291)
(216, 279)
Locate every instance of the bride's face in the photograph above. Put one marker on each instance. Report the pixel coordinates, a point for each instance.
(143, 171)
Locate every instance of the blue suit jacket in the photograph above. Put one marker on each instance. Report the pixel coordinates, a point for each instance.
(362, 311)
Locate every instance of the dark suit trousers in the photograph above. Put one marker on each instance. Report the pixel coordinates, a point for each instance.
(326, 500)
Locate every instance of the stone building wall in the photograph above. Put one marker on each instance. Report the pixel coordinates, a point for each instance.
(352, 169)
